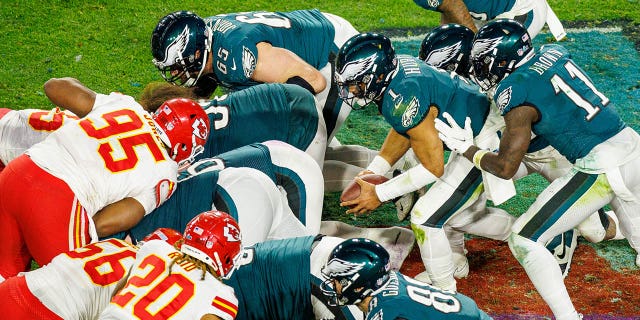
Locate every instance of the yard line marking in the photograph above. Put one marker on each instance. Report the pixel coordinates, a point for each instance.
(568, 30)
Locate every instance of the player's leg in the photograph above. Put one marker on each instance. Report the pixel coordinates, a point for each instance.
(255, 199)
(18, 302)
(52, 221)
(458, 188)
(302, 181)
(559, 208)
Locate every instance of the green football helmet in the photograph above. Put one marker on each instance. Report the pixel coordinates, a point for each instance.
(360, 265)
(498, 48)
(448, 47)
(365, 64)
(180, 45)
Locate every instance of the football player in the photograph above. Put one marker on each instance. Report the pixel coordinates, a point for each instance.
(473, 14)
(577, 120)
(184, 281)
(75, 285)
(246, 183)
(237, 50)
(357, 273)
(95, 176)
(410, 94)
(449, 47)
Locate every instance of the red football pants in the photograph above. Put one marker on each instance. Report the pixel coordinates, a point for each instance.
(40, 217)
(18, 302)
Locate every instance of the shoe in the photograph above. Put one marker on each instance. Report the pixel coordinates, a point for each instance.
(461, 266)
(613, 230)
(404, 204)
(424, 277)
(562, 247)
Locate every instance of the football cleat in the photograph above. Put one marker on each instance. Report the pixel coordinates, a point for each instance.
(404, 204)
(562, 247)
(461, 265)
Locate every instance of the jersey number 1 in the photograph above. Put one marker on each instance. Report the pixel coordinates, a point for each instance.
(559, 85)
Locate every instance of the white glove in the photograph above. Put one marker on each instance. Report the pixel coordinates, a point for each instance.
(457, 139)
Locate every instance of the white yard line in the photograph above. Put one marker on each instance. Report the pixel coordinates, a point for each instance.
(568, 30)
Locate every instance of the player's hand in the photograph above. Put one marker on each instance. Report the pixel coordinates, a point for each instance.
(363, 172)
(366, 202)
(457, 139)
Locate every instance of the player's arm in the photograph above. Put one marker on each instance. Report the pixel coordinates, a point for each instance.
(118, 216)
(426, 144)
(513, 144)
(70, 94)
(283, 66)
(455, 11)
(210, 317)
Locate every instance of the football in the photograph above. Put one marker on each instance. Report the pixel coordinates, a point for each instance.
(352, 190)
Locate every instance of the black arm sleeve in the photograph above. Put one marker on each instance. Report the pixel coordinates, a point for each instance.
(301, 82)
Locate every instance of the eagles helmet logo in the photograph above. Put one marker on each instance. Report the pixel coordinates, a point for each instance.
(441, 56)
(353, 69)
(340, 268)
(503, 99)
(174, 51)
(484, 46)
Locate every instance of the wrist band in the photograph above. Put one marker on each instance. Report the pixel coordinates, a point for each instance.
(477, 157)
(379, 165)
(409, 181)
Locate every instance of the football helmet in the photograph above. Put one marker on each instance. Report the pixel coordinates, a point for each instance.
(498, 48)
(213, 237)
(448, 47)
(365, 65)
(180, 45)
(183, 127)
(167, 234)
(361, 267)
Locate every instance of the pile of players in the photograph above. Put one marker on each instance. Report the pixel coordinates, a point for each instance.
(109, 167)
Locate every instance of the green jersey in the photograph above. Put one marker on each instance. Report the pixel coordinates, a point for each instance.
(406, 298)
(418, 86)
(274, 281)
(264, 112)
(307, 33)
(574, 115)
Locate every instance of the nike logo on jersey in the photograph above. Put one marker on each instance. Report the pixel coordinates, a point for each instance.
(233, 67)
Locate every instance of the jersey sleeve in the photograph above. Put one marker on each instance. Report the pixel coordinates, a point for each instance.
(509, 96)
(225, 303)
(407, 108)
(152, 198)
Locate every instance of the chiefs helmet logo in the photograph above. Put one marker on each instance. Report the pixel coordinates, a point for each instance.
(232, 233)
(200, 129)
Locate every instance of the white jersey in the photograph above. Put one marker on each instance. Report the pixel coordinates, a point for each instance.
(79, 284)
(157, 289)
(111, 154)
(21, 129)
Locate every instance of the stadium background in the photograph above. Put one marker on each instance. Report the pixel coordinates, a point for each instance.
(105, 44)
